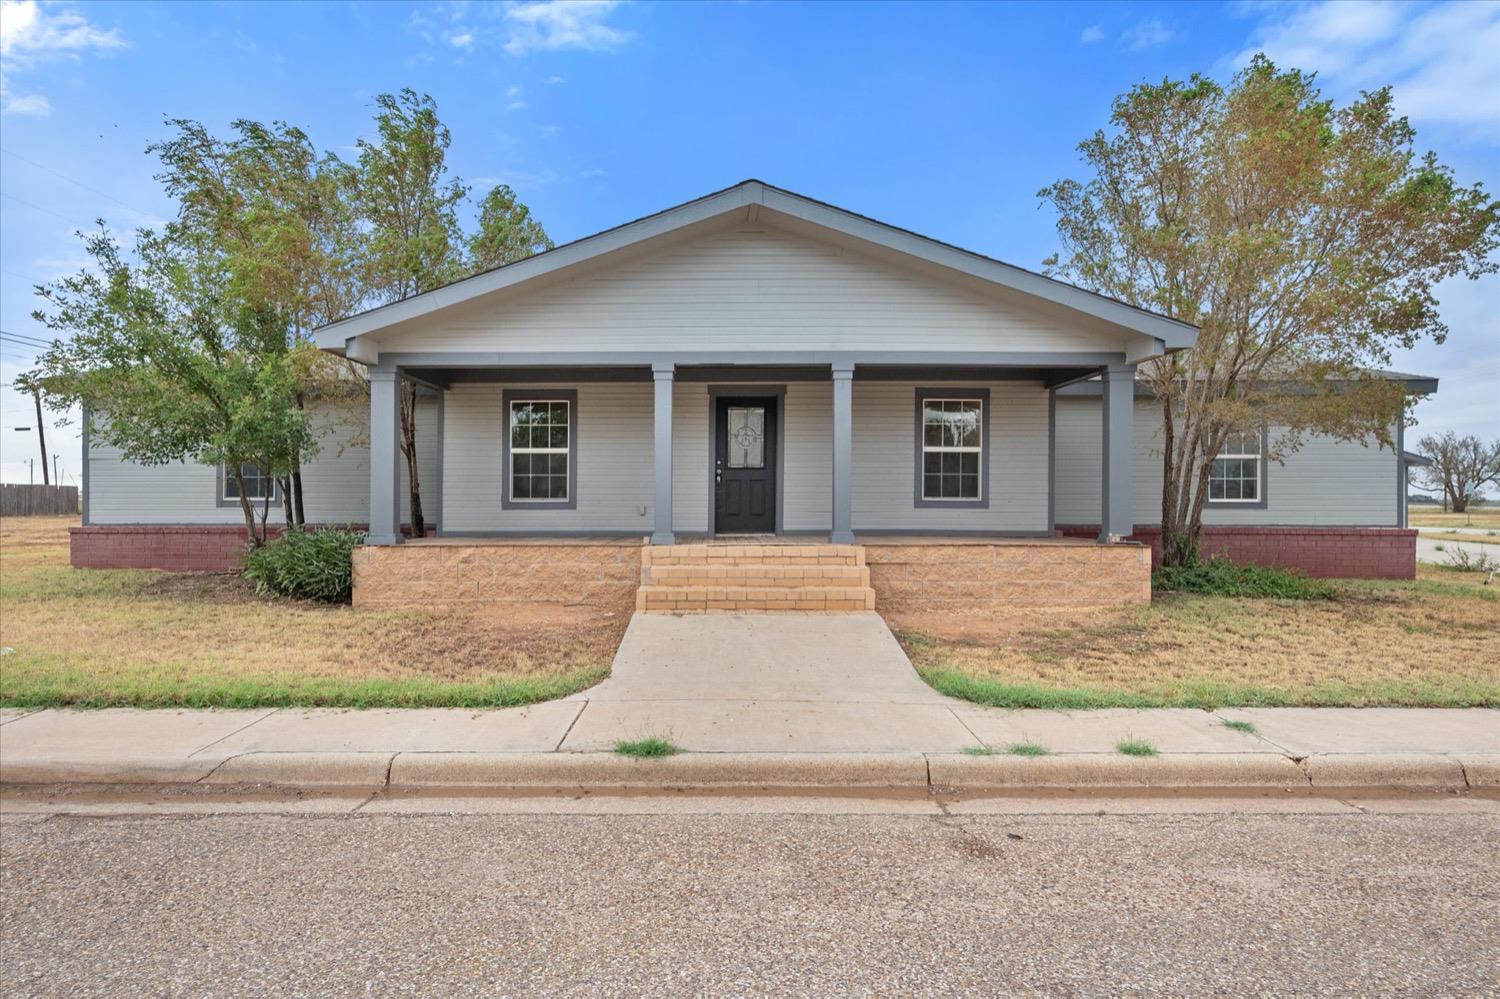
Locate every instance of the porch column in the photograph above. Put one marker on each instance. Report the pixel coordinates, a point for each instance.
(843, 454)
(661, 375)
(1118, 408)
(385, 458)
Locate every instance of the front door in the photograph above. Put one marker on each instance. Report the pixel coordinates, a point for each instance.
(745, 466)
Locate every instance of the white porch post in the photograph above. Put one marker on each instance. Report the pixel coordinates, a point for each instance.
(661, 375)
(843, 454)
(385, 468)
(1118, 408)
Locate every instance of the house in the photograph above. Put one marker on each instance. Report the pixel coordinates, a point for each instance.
(844, 408)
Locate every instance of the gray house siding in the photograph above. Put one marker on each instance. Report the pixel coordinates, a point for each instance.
(1326, 482)
(335, 481)
(753, 288)
(612, 434)
(884, 465)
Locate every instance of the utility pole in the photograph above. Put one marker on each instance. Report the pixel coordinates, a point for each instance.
(55, 477)
(41, 433)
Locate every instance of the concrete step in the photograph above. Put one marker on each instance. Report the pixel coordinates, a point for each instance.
(753, 554)
(668, 599)
(756, 574)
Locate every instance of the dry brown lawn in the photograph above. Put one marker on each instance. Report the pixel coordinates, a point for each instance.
(1434, 516)
(142, 637)
(1435, 641)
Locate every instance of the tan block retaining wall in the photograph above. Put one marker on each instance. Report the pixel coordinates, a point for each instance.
(988, 577)
(455, 575)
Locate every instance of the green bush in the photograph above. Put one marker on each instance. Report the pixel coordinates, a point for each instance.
(1222, 578)
(315, 565)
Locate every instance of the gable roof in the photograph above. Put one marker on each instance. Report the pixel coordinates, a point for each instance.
(1174, 335)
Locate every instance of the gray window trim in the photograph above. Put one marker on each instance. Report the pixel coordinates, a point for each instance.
(954, 392)
(1265, 484)
(221, 501)
(570, 396)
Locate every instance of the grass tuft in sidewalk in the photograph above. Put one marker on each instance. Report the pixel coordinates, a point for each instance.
(1240, 726)
(1026, 749)
(1135, 747)
(650, 747)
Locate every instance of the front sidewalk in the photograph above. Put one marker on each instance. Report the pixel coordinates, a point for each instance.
(817, 700)
(538, 746)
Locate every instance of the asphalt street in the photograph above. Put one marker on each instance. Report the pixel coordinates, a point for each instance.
(1230, 902)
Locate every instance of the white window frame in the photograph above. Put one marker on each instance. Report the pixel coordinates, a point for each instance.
(565, 397)
(225, 478)
(1256, 457)
(978, 397)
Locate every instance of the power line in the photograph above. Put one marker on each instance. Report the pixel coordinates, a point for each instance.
(70, 180)
(46, 211)
(26, 336)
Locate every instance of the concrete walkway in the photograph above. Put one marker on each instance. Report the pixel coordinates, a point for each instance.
(826, 699)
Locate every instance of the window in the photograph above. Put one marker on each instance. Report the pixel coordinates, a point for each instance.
(539, 454)
(1235, 475)
(952, 460)
(258, 485)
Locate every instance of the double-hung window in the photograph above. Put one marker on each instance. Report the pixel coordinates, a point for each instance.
(951, 428)
(540, 457)
(1235, 476)
(258, 485)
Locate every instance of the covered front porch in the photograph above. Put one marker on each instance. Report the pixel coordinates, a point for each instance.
(828, 447)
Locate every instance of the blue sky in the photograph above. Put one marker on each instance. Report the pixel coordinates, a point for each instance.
(945, 119)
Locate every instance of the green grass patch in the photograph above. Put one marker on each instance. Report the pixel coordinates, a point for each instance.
(1026, 749)
(650, 747)
(1222, 578)
(1240, 726)
(1135, 747)
(978, 751)
(57, 688)
(1209, 695)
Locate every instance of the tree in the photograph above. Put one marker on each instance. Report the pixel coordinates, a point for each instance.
(280, 218)
(1461, 467)
(172, 364)
(413, 240)
(1303, 239)
(506, 232)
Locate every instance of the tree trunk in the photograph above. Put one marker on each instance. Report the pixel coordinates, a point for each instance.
(409, 449)
(41, 433)
(245, 507)
(285, 485)
(297, 507)
(1460, 503)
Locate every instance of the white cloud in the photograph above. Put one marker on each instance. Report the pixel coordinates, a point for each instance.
(31, 33)
(1146, 34)
(555, 79)
(461, 39)
(1093, 33)
(551, 25)
(1439, 60)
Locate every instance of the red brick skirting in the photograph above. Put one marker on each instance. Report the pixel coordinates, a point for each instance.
(1326, 552)
(196, 548)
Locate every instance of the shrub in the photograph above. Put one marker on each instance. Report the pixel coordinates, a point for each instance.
(315, 565)
(1222, 578)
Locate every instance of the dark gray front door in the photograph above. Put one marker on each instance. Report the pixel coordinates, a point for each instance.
(745, 466)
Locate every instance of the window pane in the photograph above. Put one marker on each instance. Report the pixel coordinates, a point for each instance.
(1250, 489)
(932, 486)
(970, 463)
(559, 414)
(521, 487)
(1215, 488)
(932, 435)
(558, 486)
(559, 436)
(519, 436)
(557, 464)
(950, 487)
(520, 464)
(1232, 489)
(968, 486)
(950, 463)
(932, 462)
(745, 436)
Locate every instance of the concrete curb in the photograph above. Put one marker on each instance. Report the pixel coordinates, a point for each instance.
(1113, 770)
(686, 769)
(1384, 770)
(411, 770)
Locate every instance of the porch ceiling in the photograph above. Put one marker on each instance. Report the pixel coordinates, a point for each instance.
(444, 376)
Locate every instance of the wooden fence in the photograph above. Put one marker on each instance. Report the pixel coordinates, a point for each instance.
(32, 501)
